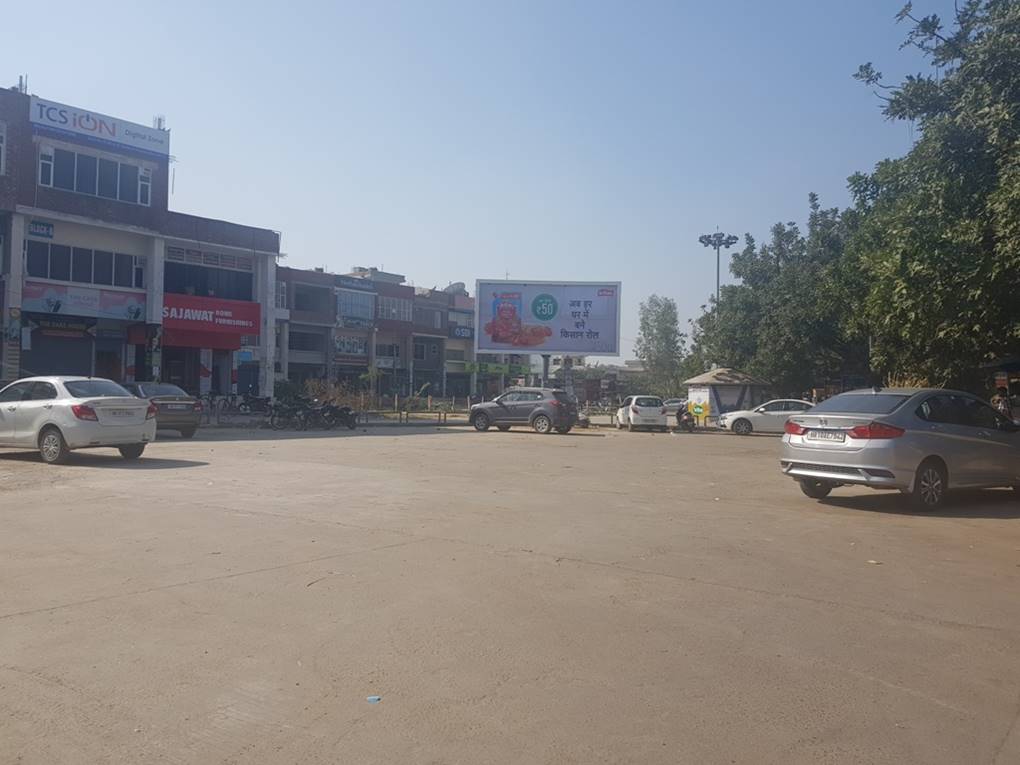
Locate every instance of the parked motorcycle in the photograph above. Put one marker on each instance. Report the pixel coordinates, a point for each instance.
(685, 421)
(250, 403)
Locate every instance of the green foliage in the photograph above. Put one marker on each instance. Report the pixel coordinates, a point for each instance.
(661, 345)
(939, 236)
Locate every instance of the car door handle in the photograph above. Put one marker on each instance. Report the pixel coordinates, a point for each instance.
(47, 406)
(12, 409)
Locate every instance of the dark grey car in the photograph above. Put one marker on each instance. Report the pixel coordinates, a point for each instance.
(544, 409)
(176, 409)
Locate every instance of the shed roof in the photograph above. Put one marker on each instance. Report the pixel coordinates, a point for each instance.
(725, 376)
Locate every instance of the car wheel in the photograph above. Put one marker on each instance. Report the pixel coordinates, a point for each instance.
(188, 433)
(815, 489)
(563, 431)
(503, 428)
(619, 425)
(742, 427)
(132, 452)
(481, 422)
(930, 484)
(52, 447)
(542, 424)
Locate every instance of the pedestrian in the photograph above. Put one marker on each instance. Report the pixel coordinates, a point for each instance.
(1003, 404)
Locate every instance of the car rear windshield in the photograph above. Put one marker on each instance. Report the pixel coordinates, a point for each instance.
(563, 396)
(162, 389)
(861, 403)
(94, 389)
(647, 401)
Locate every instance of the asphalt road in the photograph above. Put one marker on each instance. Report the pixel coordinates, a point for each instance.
(511, 598)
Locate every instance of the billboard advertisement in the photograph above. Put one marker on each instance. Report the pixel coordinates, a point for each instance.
(581, 318)
(41, 297)
(96, 128)
(206, 314)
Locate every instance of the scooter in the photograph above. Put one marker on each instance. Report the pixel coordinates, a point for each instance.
(685, 421)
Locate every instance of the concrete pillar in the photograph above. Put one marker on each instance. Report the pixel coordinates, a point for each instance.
(154, 273)
(12, 320)
(205, 360)
(265, 286)
(284, 349)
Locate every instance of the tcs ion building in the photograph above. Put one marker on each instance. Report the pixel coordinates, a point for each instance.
(99, 277)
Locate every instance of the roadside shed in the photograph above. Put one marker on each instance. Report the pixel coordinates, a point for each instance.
(724, 390)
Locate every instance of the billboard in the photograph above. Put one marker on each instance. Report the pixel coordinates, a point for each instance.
(581, 318)
(41, 297)
(96, 128)
(206, 314)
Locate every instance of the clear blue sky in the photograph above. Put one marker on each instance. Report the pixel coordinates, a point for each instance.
(456, 140)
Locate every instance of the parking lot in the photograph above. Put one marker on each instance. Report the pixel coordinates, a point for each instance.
(511, 598)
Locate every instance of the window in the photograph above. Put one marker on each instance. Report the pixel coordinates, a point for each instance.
(85, 181)
(15, 392)
(37, 260)
(395, 309)
(63, 169)
(42, 391)
(509, 398)
(305, 341)
(102, 267)
(81, 265)
(353, 346)
(428, 317)
(190, 279)
(977, 414)
(530, 396)
(94, 176)
(45, 167)
(128, 191)
(281, 294)
(648, 401)
(797, 406)
(419, 351)
(108, 178)
(144, 186)
(774, 406)
(861, 403)
(123, 270)
(434, 351)
(3, 147)
(355, 305)
(388, 350)
(309, 298)
(95, 389)
(160, 389)
(60, 262)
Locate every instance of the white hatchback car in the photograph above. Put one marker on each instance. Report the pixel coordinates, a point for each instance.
(642, 412)
(58, 414)
(770, 417)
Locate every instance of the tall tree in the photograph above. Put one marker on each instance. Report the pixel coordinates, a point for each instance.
(939, 234)
(660, 344)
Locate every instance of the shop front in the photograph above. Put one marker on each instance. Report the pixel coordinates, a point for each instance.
(72, 330)
(350, 359)
(201, 342)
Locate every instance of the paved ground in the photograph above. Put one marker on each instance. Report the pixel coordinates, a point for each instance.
(513, 598)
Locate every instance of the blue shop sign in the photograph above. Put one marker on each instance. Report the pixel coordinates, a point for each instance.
(461, 333)
(40, 229)
(353, 283)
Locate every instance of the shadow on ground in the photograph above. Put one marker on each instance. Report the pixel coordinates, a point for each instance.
(105, 459)
(991, 503)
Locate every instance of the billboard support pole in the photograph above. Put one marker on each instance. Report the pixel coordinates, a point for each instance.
(545, 369)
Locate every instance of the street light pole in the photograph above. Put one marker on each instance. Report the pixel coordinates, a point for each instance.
(718, 241)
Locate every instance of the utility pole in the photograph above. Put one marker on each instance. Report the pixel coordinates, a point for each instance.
(718, 241)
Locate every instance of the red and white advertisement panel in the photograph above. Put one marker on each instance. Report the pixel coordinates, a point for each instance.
(41, 297)
(206, 314)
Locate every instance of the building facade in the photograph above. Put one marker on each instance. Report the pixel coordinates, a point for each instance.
(100, 278)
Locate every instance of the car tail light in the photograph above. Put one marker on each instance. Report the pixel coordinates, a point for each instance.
(152, 411)
(635, 410)
(794, 429)
(875, 430)
(556, 402)
(197, 406)
(84, 412)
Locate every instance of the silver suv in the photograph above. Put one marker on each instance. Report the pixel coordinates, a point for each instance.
(920, 441)
(544, 409)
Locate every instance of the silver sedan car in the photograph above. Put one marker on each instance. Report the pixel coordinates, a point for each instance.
(920, 441)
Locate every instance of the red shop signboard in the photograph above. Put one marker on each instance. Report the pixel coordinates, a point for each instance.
(206, 314)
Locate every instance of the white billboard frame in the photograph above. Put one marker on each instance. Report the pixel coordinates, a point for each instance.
(528, 351)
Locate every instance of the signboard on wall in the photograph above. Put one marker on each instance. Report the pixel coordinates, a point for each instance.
(205, 314)
(582, 318)
(40, 297)
(96, 128)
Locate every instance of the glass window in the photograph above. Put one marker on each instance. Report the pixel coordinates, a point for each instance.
(977, 414)
(160, 389)
(41, 391)
(102, 267)
(144, 186)
(60, 262)
(123, 270)
(774, 406)
(81, 265)
(37, 259)
(648, 401)
(509, 398)
(3, 144)
(395, 309)
(356, 305)
(861, 403)
(108, 174)
(63, 169)
(85, 182)
(128, 184)
(940, 409)
(419, 351)
(94, 389)
(15, 392)
(45, 167)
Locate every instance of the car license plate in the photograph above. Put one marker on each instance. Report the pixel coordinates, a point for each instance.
(838, 436)
(122, 412)
(177, 407)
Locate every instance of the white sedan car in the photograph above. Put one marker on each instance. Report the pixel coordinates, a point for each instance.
(58, 414)
(770, 417)
(642, 412)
